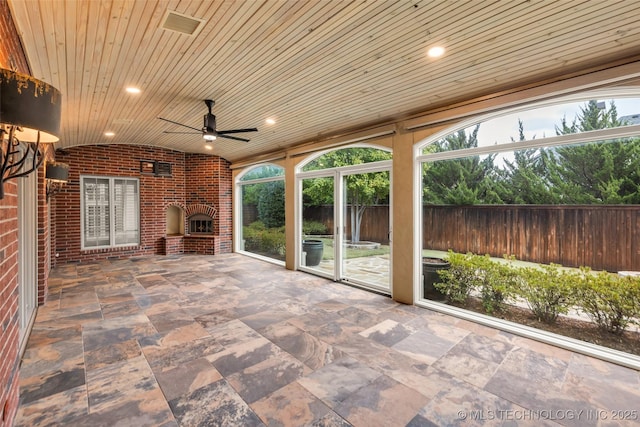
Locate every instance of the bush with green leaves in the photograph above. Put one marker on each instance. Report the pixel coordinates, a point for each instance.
(497, 283)
(262, 240)
(468, 272)
(313, 227)
(611, 301)
(459, 279)
(548, 290)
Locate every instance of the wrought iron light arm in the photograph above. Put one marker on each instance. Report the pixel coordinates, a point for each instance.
(14, 159)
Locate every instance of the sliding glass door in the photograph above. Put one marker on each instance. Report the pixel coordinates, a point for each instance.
(345, 224)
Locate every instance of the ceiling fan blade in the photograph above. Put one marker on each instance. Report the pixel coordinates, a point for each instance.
(190, 133)
(224, 132)
(232, 137)
(180, 124)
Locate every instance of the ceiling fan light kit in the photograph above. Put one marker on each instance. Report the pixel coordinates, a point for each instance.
(209, 132)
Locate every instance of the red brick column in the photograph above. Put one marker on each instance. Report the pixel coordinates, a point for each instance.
(9, 323)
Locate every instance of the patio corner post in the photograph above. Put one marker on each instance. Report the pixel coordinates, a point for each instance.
(402, 220)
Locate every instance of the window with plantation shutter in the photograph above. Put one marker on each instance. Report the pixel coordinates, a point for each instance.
(110, 212)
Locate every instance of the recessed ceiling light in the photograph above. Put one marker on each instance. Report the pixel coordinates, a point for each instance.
(270, 121)
(132, 89)
(109, 134)
(208, 147)
(435, 52)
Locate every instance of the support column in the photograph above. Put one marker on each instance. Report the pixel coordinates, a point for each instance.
(290, 212)
(403, 242)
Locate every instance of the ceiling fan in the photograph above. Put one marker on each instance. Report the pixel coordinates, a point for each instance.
(209, 131)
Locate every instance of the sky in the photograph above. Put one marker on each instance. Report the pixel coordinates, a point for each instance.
(541, 122)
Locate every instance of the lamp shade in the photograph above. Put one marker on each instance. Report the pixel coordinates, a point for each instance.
(30, 104)
(57, 172)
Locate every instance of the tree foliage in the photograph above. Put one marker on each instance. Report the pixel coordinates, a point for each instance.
(465, 181)
(523, 178)
(250, 192)
(597, 173)
(362, 189)
(271, 203)
(267, 197)
(602, 172)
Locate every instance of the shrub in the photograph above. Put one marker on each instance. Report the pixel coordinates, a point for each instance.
(254, 227)
(459, 279)
(548, 290)
(493, 280)
(262, 240)
(497, 283)
(612, 302)
(313, 227)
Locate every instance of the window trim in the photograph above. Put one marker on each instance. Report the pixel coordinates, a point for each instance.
(112, 216)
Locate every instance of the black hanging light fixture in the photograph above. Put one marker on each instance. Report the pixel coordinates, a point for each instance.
(56, 174)
(29, 117)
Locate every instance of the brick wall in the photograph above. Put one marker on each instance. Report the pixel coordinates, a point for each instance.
(156, 193)
(173, 245)
(11, 57)
(210, 183)
(9, 325)
(203, 245)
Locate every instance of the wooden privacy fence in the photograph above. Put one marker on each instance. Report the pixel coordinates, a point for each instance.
(603, 237)
(374, 227)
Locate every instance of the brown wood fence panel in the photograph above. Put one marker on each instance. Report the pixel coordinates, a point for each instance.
(249, 214)
(374, 227)
(602, 237)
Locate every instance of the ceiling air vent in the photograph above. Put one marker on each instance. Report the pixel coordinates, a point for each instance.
(180, 23)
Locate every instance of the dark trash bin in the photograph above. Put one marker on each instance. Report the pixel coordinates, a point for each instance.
(313, 248)
(430, 267)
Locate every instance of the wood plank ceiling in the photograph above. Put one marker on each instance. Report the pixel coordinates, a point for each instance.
(319, 67)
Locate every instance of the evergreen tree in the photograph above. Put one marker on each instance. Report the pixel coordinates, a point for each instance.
(594, 173)
(271, 203)
(524, 177)
(465, 181)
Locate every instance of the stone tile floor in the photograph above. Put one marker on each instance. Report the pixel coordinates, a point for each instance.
(232, 341)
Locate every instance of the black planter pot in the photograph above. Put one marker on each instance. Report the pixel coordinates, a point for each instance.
(430, 267)
(313, 248)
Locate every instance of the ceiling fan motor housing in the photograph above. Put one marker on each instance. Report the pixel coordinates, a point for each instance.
(209, 129)
(209, 123)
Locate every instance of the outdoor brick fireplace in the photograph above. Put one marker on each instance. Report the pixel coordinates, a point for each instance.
(191, 229)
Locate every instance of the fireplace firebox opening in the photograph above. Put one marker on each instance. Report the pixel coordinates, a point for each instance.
(200, 224)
